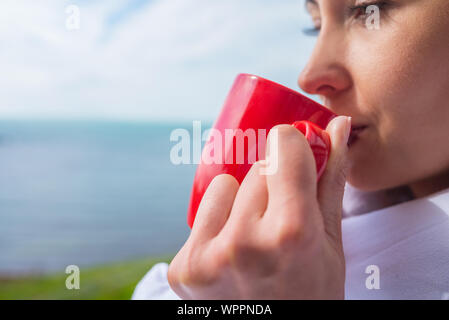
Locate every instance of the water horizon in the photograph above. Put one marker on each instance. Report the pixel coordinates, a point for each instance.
(88, 192)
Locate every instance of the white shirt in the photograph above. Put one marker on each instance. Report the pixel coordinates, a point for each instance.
(405, 248)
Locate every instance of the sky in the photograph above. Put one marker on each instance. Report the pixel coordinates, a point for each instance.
(161, 60)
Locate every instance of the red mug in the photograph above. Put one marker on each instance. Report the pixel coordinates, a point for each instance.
(257, 105)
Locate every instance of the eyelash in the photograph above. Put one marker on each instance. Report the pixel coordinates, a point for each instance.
(361, 8)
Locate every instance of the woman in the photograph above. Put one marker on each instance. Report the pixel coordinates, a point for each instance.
(282, 236)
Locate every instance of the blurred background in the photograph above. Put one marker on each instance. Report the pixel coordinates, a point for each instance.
(90, 91)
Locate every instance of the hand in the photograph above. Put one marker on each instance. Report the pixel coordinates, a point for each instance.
(274, 237)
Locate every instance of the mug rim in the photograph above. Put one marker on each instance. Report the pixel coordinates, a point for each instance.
(249, 75)
(285, 88)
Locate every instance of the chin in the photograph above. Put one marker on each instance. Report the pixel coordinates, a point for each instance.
(365, 180)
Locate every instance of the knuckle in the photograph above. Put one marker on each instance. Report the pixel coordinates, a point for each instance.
(189, 268)
(290, 233)
(221, 258)
(234, 249)
(237, 249)
(249, 255)
(176, 274)
(172, 274)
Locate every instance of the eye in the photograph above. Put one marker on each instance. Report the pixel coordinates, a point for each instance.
(313, 9)
(314, 30)
(360, 11)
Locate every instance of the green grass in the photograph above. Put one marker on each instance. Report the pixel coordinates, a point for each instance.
(112, 281)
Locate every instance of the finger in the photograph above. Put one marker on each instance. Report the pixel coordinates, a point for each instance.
(215, 206)
(332, 183)
(293, 184)
(252, 197)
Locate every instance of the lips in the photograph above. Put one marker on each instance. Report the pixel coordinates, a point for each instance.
(356, 130)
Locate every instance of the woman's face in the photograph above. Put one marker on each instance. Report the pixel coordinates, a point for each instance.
(394, 80)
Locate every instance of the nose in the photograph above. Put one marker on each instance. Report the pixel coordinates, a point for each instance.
(325, 73)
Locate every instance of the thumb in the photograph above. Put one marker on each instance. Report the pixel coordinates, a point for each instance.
(332, 183)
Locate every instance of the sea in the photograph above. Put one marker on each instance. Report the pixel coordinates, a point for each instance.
(89, 192)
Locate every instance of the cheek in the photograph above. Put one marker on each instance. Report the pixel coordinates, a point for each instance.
(404, 92)
(402, 70)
